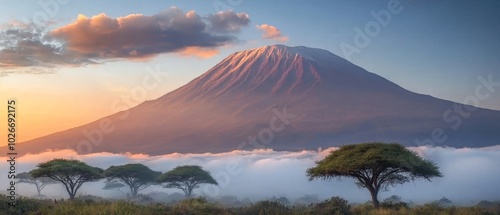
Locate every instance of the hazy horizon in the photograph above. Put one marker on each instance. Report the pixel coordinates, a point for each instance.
(272, 173)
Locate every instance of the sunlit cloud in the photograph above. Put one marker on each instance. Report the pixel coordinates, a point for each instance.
(272, 32)
(100, 38)
(199, 52)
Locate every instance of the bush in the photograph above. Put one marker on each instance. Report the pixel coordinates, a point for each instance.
(490, 206)
(307, 200)
(436, 208)
(264, 208)
(90, 198)
(23, 205)
(394, 205)
(142, 199)
(78, 207)
(362, 209)
(392, 199)
(201, 206)
(281, 199)
(197, 206)
(335, 206)
(227, 200)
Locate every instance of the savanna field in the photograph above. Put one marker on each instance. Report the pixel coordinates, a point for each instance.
(336, 205)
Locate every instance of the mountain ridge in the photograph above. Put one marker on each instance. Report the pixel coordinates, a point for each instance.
(335, 102)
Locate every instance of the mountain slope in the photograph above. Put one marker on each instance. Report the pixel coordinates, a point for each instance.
(242, 100)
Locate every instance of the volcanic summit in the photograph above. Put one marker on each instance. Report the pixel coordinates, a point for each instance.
(280, 97)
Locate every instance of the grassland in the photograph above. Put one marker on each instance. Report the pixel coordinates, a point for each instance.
(195, 206)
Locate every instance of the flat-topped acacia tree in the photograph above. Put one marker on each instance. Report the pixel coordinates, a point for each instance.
(39, 183)
(136, 176)
(186, 178)
(71, 173)
(375, 166)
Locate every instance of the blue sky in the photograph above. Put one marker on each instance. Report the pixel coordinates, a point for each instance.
(438, 48)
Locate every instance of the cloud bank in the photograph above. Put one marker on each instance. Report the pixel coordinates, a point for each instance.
(133, 37)
(470, 175)
(28, 46)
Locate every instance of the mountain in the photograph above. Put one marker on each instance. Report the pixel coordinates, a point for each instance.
(285, 98)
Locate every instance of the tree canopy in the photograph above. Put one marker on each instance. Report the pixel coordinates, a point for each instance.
(39, 183)
(136, 176)
(113, 186)
(375, 166)
(186, 178)
(71, 173)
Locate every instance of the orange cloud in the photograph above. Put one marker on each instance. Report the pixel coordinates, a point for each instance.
(139, 36)
(271, 32)
(199, 52)
(133, 37)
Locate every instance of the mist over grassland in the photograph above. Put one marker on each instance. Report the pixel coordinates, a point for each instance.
(470, 175)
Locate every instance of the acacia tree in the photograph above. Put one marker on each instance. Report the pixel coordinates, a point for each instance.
(137, 176)
(39, 183)
(186, 178)
(375, 166)
(71, 173)
(113, 186)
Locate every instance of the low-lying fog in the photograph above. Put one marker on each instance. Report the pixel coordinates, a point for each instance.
(470, 175)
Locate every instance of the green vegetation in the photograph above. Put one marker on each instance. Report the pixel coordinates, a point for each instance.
(375, 166)
(71, 173)
(186, 178)
(264, 207)
(113, 186)
(136, 176)
(202, 206)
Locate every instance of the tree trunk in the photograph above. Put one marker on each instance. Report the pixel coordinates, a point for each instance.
(375, 201)
(134, 192)
(71, 191)
(38, 190)
(72, 196)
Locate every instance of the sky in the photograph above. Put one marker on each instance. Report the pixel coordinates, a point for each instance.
(70, 62)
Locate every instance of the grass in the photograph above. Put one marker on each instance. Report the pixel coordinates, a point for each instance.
(201, 206)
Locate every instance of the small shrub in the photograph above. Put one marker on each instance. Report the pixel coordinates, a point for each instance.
(281, 199)
(264, 208)
(394, 205)
(490, 206)
(335, 206)
(142, 199)
(430, 208)
(24, 205)
(393, 199)
(364, 208)
(307, 200)
(197, 206)
(229, 201)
